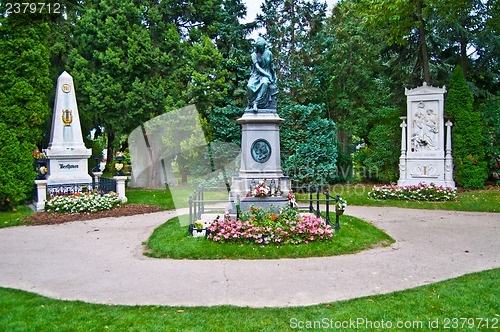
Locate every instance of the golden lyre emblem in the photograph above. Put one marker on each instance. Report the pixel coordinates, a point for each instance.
(67, 117)
(66, 88)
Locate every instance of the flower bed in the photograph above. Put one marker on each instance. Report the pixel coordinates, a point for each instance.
(420, 192)
(264, 227)
(83, 202)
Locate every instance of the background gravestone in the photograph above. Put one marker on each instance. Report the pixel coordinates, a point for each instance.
(425, 148)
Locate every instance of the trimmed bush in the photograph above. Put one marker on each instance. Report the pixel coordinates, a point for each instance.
(24, 85)
(16, 169)
(311, 142)
(467, 138)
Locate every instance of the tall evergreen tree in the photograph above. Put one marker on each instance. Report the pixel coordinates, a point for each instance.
(293, 30)
(24, 85)
(468, 142)
(133, 62)
(403, 21)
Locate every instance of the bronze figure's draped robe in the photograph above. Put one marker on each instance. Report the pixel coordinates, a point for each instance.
(261, 88)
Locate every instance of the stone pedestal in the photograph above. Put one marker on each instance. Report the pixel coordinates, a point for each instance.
(66, 152)
(424, 159)
(120, 187)
(97, 176)
(41, 194)
(260, 157)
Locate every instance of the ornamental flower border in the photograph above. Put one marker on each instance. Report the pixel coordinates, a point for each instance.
(83, 202)
(264, 227)
(39, 155)
(420, 192)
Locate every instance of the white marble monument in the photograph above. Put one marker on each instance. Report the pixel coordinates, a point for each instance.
(425, 148)
(66, 152)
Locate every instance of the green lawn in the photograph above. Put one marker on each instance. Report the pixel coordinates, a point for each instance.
(473, 296)
(445, 305)
(167, 199)
(171, 241)
(13, 218)
(474, 200)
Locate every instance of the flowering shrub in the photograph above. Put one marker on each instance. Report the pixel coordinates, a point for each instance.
(39, 155)
(420, 192)
(266, 226)
(83, 202)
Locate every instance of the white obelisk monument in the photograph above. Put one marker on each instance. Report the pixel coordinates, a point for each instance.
(66, 152)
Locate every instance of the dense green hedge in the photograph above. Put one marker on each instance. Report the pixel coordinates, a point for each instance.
(467, 141)
(24, 85)
(16, 165)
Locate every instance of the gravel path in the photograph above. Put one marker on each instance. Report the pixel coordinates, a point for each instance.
(101, 261)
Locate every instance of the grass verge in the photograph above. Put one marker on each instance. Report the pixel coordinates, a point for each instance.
(171, 241)
(13, 218)
(484, 200)
(474, 296)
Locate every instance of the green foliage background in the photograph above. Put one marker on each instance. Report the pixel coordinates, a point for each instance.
(468, 141)
(24, 86)
(132, 61)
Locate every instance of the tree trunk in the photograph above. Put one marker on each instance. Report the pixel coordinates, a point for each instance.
(423, 44)
(110, 153)
(154, 181)
(344, 165)
(463, 55)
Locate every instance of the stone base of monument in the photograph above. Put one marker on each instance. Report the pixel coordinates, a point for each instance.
(265, 203)
(260, 160)
(426, 171)
(70, 169)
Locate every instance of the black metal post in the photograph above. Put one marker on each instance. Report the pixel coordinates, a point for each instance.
(202, 200)
(311, 207)
(337, 224)
(327, 194)
(195, 204)
(318, 212)
(190, 209)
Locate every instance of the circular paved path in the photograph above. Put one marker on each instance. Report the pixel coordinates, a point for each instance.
(101, 261)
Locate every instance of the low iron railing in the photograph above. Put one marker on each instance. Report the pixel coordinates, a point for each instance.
(316, 199)
(197, 204)
(104, 185)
